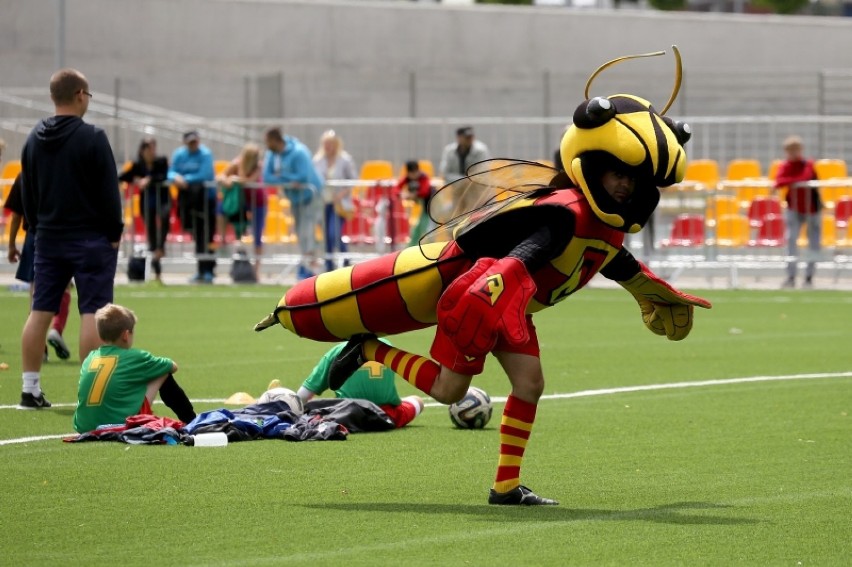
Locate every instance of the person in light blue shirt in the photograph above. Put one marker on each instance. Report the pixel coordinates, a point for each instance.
(191, 170)
(288, 162)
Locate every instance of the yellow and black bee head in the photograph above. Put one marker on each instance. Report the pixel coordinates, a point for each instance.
(624, 133)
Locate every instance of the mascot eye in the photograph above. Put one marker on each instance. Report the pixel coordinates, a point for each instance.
(682, 131)
(593, 113)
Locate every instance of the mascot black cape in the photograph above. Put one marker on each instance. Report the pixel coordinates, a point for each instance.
(512, 238)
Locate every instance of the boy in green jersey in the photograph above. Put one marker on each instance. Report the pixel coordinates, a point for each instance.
(372, 381)
(118, 381)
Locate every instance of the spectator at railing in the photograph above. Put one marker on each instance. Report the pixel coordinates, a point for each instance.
(417, 186)
(457, 157)
(244, 199)
(149, 172)
(803, 207)
(192, 172)
(336, 164)
(288, 162)
(461, 154)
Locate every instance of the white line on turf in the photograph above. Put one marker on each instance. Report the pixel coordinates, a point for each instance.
(580, 394)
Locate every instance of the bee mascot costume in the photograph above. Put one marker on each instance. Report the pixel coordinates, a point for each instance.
(513, 238)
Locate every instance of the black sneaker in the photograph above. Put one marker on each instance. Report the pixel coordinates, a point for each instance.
(350, 359)
(520, 496)
(55, 340)
(30, 402)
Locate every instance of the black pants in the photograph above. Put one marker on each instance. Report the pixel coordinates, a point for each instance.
(198, 215)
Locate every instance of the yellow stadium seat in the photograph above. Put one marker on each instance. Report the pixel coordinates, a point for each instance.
(773, 169)
(721, 205)
(376, 169)
(732, 231)
(425, 166)
(220, 165)
(373, 170)
(829, 231)
(747, 193)
(830, 168)
(740, 169)
(11, 169)
(702, 173)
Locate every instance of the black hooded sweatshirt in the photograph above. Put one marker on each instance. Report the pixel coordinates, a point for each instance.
(70, 181)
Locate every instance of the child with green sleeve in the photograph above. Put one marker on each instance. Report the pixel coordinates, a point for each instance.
(118, 381)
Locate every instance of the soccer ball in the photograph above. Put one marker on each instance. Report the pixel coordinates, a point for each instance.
(285, 395)
(473, 411)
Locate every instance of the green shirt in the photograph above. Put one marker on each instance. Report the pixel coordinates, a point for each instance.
(113, 382)
(373, 381)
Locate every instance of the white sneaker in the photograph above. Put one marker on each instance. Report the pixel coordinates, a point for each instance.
(55, 340)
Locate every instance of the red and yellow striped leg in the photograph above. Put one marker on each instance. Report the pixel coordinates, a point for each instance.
(515, 427)
(419, 371)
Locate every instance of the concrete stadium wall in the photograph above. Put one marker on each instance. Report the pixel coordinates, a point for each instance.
(399, 59)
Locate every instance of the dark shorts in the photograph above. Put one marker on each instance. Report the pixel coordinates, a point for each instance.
(90, 262)
(26, 264)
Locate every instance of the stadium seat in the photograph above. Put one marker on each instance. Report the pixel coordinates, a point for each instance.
(844, 237)
(687, 230)
(739, 169)
(830, 195)
(761, 207)
(720, 205)
(842, 213)
(425, 166)
(830, 168)
(220, 165)
(701, 174)
(747, 193)
(732, 231)
(829, 231)
(11, 169)
(773, 169)
(770, 232)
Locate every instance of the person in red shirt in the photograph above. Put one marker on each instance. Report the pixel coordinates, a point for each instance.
(415, 185)
(803, 207)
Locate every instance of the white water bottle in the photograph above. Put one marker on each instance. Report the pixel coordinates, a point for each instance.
(217, 439)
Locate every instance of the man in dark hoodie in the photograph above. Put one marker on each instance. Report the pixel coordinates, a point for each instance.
(72, 204)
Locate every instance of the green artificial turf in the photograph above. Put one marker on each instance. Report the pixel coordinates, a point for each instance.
(728, 473)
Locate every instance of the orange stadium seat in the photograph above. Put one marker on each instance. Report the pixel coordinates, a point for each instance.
(11, 169)
(732, 231)
(830, 168)
(747, 193)
(720, 205)
(425, 166)
(773, 169)
(702, 173)
(739, 169)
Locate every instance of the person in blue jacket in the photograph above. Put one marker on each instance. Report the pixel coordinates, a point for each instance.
(289, 163)
(192, 172)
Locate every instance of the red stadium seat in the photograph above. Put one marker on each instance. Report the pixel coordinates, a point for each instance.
(687, 230)
(770, 231)
(842, 213)
(760, 207)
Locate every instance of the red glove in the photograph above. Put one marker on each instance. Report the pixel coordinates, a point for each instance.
(490, 299)
(665, 310)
